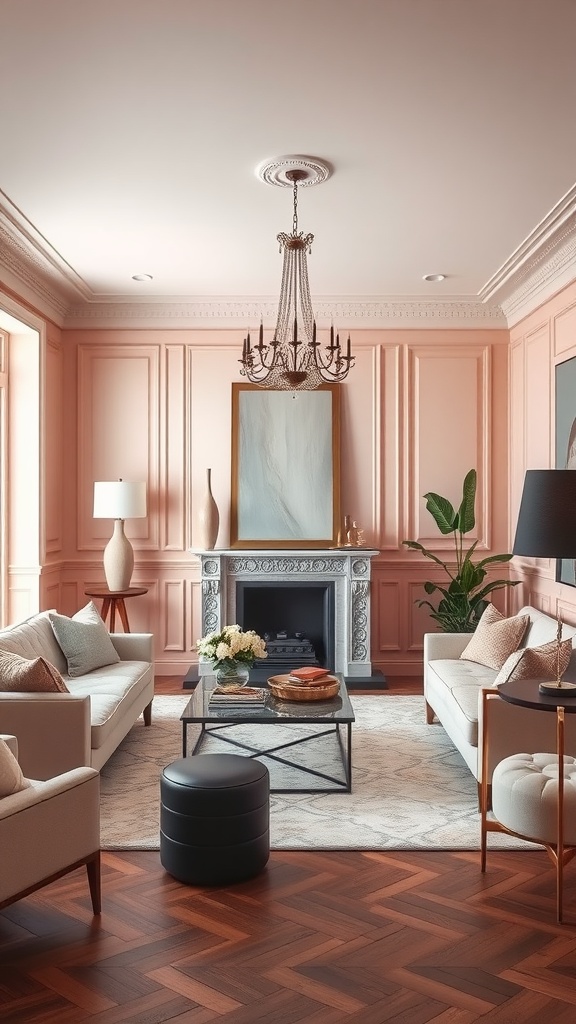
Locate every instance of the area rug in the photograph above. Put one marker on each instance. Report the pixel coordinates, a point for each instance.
(411, 789)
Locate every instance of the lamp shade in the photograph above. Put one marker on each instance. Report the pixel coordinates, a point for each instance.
(547, 518)
(119, 499)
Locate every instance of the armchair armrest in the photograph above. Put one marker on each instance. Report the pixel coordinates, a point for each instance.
(52, 729)
(134, 646)
(444, 645)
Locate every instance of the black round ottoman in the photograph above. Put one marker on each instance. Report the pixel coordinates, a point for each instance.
(214, 818)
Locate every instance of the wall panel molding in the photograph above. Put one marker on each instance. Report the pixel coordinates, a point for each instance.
(173, 449)
(118, 407)
(386, 616)
(449, 425)
(564, 332)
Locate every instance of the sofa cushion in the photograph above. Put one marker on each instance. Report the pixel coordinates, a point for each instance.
(33, 638)
(11, 777)
(456, 685)
(536, 662)
(112, 694)
(496, 637)
(29, 675)
(84, 640)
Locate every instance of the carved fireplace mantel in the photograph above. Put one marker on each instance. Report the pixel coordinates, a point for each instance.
(347, 568)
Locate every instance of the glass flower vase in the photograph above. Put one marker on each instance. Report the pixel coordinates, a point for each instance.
(232, 673)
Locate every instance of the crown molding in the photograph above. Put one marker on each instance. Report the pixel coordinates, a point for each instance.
(543, 264)
(220, 312)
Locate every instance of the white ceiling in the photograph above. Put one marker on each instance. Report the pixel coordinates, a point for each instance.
(131, 131)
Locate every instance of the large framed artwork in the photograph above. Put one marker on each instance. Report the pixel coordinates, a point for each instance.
(285, 490)
(566, 443)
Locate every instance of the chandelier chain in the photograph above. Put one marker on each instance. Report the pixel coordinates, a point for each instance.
(294, 359)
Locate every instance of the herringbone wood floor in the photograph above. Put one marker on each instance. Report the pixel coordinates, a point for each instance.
(322, 937)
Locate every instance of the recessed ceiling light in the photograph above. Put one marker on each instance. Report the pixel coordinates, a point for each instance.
(142, 277)
(434, 277)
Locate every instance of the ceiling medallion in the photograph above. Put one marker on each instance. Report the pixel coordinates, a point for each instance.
(294, 359)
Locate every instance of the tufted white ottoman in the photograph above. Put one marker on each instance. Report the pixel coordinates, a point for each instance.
(525, 802)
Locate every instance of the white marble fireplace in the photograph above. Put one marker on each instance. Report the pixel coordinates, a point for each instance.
(348, 569)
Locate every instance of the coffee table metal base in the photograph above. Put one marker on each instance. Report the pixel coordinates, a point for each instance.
(221, 732)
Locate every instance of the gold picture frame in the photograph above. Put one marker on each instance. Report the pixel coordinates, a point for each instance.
(285, 487)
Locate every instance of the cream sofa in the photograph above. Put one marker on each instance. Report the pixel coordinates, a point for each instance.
(453, 695)
(60, 731)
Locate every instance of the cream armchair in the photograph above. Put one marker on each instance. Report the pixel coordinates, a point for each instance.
(49, 829)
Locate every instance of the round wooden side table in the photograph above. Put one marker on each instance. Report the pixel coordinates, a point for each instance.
(112, 599)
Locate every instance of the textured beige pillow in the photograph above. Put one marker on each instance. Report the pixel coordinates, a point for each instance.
(84, 640)
(11, 778)
(535, 662)
(29, 675)
(495, 639)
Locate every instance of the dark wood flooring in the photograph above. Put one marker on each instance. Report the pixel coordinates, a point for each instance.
(366, 938)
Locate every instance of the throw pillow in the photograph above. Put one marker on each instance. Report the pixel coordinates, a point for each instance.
(535, 662)
(495, 639)
(29, 675)
(84, 640)
(11, 778)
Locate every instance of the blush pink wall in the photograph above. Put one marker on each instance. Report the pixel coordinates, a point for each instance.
(537, 344)
(420, 408)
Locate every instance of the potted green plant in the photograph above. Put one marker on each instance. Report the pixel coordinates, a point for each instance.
(464, 597)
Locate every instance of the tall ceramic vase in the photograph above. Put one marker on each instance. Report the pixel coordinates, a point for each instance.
(208, 517)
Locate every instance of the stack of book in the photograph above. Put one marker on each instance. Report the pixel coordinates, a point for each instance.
(308, 675)
(251, 695)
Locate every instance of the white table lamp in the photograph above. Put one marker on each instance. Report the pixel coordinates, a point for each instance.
(119, 500)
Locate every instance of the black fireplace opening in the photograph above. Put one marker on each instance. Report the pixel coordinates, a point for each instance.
(295, 618)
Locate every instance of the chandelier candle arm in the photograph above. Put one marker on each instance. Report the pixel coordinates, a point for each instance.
(294, 359)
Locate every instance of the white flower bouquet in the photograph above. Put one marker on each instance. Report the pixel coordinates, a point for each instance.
(230, 646)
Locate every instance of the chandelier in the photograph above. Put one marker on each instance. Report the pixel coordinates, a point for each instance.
(294, 359)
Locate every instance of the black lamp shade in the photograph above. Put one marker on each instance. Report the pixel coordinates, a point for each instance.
(547, 517)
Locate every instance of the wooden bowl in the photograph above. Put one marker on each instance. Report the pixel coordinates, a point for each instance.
(280, 687)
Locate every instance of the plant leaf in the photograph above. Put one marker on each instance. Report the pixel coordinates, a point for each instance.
(442, 511)
(466, 518)
(428, 554)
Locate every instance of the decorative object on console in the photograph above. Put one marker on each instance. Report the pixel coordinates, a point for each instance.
(464, 599)
(208, 518)
(119, 500)
(294, 359)
(232, 652)
(545, 529)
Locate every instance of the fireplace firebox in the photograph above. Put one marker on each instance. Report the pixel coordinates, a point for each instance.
(296, 618)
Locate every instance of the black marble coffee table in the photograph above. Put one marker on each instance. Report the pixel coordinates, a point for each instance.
(332, 717)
